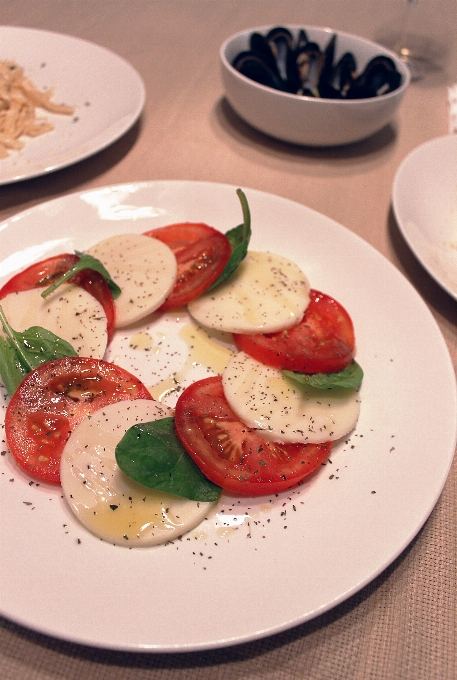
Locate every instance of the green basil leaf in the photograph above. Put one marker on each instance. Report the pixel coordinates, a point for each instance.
(152, 455)
(351, 378)
(239, 238)
(22, 352)
(85, 262)
(11, 370)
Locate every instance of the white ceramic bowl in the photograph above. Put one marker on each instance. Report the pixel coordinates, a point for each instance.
(308, 120)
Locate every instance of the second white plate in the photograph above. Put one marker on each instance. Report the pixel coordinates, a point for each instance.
(425, 207)
(106, 91)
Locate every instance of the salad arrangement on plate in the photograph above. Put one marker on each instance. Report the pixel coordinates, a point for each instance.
(134, 471)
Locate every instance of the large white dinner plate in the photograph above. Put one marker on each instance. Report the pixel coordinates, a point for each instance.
(106, 91)
(255, 567)
(425, 207)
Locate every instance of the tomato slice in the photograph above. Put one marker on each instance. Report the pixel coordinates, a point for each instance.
(323, 342)
(234, 456)
(52, 400)
(44, 273)
(201, 252)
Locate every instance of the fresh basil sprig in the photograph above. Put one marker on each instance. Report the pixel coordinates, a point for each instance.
(350, 378)
(152, 455)
(239, 238)
(85, 262)
(21, 353)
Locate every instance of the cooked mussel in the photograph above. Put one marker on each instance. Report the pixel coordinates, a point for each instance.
(379, 77)
(308, 64)
(344, 73)
(327, 86)
(256, 67)
(280, 41)
(301, 67)
(260, 47)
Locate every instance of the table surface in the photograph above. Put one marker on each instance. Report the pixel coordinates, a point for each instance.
(402, 625)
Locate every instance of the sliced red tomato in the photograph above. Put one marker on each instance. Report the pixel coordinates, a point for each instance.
(43, 274)
(52, 400)
(323, 342)
(201, 252)
(234, 456)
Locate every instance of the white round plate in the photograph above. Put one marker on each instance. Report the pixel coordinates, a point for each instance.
(257, 566)
(425, 207)
(106, 91)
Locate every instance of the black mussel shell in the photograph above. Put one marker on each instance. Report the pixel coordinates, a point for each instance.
(259, 45)
(329, 58)
(325, 85)
(344, 73)
(281, 41)
(302, 39)
(308, 65)
(328, 91)
(280, 33)
(379, 77)
(253, 66)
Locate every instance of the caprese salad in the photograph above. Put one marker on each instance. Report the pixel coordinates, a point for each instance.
(133, 470)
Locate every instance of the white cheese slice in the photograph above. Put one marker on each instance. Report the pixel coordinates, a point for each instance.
(267, 293)
(144, 268)
(107, 502)
(282, 409)
(69, 312)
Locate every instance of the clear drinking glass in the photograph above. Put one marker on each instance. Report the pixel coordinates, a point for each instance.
(411, 47)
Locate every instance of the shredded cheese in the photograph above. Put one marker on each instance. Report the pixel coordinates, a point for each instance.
(19, 100)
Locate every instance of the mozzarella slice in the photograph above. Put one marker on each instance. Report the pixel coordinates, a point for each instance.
(107, 502)
(144, 268)
(267, 293)
(284, 410)
(70, 312)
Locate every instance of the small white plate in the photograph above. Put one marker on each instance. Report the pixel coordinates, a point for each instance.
(425, 207)
(257, 566)
(106, 91)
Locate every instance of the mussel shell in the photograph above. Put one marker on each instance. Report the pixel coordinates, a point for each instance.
(328, 91)
(311, 48)
(383, 60)
(325, 85)
(344, 72)
(280, 40)
(253, 66)
(259, 45)
(280, 33)
(302, 39)
(308, 67)
(380, 76)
